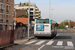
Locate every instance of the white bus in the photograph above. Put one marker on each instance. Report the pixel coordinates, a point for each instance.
(45, 28)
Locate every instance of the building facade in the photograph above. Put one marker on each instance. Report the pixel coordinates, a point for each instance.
(6, 14)
(34, 10)
(21, 12)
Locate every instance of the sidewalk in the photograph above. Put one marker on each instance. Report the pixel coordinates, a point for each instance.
(21, 41)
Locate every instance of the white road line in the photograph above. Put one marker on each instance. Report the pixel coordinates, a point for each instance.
(50, 42)
(60, 43)
(31, 42)
(41, 47)
(55, 37)
(69, 43)
(40, 42)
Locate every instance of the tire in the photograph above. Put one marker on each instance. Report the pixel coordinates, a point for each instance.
(38, 37)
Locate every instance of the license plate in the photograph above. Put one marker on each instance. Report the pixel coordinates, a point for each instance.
(41, 33)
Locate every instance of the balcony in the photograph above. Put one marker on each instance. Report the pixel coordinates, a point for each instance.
(36, 11)
(31, 11)
(6, 21)
(37, 14)
(36, 8)
(1, 20)
(1, 10)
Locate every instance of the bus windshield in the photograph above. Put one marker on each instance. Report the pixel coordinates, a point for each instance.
(42, 21)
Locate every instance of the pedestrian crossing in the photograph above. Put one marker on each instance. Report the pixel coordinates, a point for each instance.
(50, 42)
(53, 43)
(69, 43)
(39, 43)
(60, 43)
(31, 42)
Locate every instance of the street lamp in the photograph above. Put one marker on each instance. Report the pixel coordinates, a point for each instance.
(49, 7)
(29, 19)
(52, 12)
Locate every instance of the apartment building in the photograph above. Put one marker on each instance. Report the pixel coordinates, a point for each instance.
(6, 14)
(34, 10)
(21, 12)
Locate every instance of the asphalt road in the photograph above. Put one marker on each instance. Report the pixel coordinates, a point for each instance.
(63, 41)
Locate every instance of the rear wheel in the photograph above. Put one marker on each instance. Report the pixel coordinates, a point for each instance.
(38, 37)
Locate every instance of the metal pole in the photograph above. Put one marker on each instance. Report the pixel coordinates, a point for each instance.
(52, 12)
(34, 13)
(49, 7)
(15, 20)
(29, 19)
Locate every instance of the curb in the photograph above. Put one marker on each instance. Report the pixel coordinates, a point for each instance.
(31, 38)
(23, 41)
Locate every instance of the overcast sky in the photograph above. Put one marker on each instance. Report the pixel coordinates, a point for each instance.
(63, 9)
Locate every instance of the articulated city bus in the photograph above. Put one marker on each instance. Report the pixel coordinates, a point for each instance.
(45, 28)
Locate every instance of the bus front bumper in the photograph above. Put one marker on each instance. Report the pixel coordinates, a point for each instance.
(40, 35)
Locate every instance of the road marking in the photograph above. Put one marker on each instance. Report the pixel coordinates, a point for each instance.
(60, 43)
(40, 42)
(50, 42)
(41, 47)
(55, 37)
(69, 43)
(69, 47)
(31, 42)
(74, 33)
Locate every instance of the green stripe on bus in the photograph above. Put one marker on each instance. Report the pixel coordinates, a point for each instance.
(49, 21)
(35, 21)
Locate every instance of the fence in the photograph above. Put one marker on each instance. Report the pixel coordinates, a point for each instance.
(22, 33)
(6, 37)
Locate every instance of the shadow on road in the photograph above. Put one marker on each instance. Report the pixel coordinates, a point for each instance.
(63, 37)
(44, 38)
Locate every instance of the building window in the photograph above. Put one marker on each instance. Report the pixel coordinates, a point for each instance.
(7, 9)
(1, 6)
(1, 27)
(2, 0)
(10, 27)
(7, 18)
(31, 16)
(27, 8)
(31, 9)
(1, 9)
(31, 12)
(6, 27)
(1, 19)
(7, 1)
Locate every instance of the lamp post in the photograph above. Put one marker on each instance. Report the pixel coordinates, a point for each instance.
(15, 20)
(49, 7)
(52, 12)
(29, 19)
